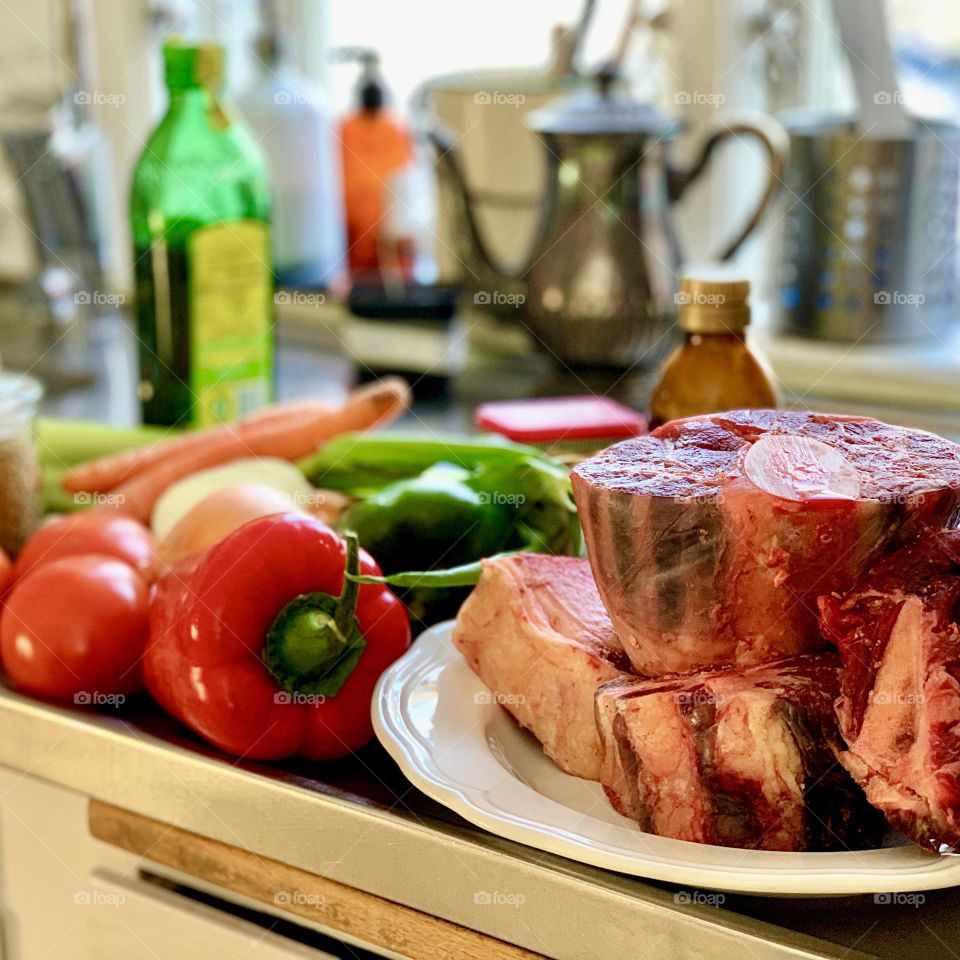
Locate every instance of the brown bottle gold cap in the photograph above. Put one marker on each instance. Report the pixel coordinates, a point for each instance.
(708, 305)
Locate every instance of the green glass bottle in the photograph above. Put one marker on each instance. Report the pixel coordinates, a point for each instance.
(200, 211)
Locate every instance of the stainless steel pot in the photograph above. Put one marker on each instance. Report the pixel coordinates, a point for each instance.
(501, 159)
(870, 234)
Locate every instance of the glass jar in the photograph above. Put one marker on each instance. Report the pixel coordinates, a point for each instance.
(19, 467)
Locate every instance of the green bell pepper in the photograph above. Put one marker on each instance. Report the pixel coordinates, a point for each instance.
(434, 508)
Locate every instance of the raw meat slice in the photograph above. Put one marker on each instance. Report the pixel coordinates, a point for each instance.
(701, 567)
(740, 758)
(534, 630)
(899, 708)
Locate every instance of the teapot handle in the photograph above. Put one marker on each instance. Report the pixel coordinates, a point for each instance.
(776, 144)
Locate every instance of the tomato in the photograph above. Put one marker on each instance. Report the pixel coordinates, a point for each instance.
(98, 531)
(75, 628)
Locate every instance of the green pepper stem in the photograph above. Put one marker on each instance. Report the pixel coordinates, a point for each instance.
(347, 601)
(314, 642)
(311, 638)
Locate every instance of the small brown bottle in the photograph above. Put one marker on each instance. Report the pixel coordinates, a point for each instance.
(713, 369)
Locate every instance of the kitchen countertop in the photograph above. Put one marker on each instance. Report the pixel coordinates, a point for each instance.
(913, 385)
(359, 822)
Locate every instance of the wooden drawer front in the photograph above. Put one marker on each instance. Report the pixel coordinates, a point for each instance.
(344, 912)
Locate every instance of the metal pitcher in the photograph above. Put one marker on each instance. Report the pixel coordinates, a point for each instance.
(598, 283)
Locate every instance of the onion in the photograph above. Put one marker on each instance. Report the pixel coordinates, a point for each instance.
(271, 472)
(218, 514)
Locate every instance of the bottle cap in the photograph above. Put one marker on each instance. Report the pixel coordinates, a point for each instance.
(710, 302)
(193, 65)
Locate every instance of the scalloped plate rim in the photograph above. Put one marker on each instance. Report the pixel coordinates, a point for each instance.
(550, 828)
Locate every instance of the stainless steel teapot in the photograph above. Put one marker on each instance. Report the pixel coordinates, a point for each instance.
(598, 283)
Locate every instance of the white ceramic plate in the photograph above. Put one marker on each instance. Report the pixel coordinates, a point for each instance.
(439, 722)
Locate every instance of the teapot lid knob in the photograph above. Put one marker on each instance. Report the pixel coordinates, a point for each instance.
(602, 111)
(606, 77)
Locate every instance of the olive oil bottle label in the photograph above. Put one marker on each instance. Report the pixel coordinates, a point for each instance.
(231, 315)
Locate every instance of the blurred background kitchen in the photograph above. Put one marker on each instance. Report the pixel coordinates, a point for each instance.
(497, 200)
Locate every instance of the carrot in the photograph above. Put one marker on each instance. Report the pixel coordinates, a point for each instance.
(104, 473)
(370, 406)
(107, 472)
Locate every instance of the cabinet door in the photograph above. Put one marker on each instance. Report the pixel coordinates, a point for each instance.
(137, 919)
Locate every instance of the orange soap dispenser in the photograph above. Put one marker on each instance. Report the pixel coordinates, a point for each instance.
(376, 148)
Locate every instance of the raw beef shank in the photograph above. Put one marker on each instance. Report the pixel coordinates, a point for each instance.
(899, 708)
(712, 538)
(740, 758)
(534, 630)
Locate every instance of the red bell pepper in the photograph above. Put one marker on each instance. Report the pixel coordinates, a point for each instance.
(266, 650)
